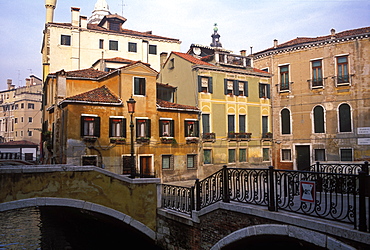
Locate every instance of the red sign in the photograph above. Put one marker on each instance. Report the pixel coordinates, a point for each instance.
(307, 191)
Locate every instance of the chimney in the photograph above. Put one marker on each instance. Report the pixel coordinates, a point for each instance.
(75, 16)
(50, 6)
(275, 43)
(10, 84)
(243, 52)
(28, 82)
(163, 58)
(332, 31)
(83, 22)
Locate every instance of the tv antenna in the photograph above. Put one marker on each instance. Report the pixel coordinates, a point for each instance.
(122, 5)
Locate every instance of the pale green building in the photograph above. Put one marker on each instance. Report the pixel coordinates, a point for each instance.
(234, 99)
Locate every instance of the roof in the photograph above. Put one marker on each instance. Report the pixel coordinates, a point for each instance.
(303, 40)
(161, 104)
(165, 85)
(83, 73)
(18, 143)
(191, 58)
(101, 95)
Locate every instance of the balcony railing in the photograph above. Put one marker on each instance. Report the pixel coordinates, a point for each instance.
(209, 137)
(239, 136)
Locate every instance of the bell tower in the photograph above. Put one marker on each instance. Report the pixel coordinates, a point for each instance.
(50, 6)
(215, 37)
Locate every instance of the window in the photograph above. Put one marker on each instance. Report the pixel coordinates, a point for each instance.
(191, 128)
(231, 155)
(205, 123)
(139, 86)
(31, 106)
(231, 123)
(143, 128)
(205, 84)
(89, 160)
(117, 127)
(264, 90)
(191, 161)
(345, 118)
(265, 123)
(229, 87)
(207, 156)
(235, 87)
(242, 155)
(132, 47)
(242, 124)
(318, 119)
(114, 26)
(166, 128)
(15, 120)
(65, 40)
(90, 126)
(320, 155)
(243, 88)
(171, 63)
(317, 73)
(22, 105)
(286, 155)
(30, 119)
(266, 154)
(167, 161)
(29, 132)
(284, 78)
(101, 43)
(342, 70)
(113, 45)
(346, 154)
(153, 49)
(285, 122)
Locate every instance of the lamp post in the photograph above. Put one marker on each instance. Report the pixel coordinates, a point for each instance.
(131, 110)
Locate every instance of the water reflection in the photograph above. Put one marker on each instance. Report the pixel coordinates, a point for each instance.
(66, 228)
(20, 229)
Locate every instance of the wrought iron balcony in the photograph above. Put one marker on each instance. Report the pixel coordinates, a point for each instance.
(239, 136)
(209, 137)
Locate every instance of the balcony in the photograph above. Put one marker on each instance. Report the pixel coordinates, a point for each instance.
(117, 140)
(267, 136)
(142, 139)
(90, 139)
(168, 140)
(191, 140)
(228, 59)
(231, 136)
(209, 137)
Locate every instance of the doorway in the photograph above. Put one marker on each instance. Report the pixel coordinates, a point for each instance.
(146, 166)
(303, 157)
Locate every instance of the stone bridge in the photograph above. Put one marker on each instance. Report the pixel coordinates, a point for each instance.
(138, 203)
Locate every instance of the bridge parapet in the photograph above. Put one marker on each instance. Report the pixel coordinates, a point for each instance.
(136, 198)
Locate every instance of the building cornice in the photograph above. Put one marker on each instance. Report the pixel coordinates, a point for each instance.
(308, 45)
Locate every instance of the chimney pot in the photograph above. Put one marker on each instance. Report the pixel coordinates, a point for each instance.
(75, 16)
(332, 31)
(243, 52)
(275, 43)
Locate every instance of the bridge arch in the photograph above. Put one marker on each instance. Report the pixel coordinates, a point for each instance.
(312, 237)
(79, 204)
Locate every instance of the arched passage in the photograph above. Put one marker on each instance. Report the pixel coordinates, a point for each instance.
(274, 234)
(79, 204)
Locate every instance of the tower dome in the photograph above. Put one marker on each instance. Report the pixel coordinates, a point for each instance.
(101, 9)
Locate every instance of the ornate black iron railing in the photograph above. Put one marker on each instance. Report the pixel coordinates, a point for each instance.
(334, 196)
(340, 168)
(180, 199)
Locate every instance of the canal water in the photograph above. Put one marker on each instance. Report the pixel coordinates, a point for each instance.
(66, 228)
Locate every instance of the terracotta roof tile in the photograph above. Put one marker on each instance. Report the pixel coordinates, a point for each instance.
(165, 85)
(98, 95)
(171, 105)
(83, 73)
(302, 40)
(191, 58)
(20, 143)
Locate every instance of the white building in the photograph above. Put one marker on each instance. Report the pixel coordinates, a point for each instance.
(80, 43)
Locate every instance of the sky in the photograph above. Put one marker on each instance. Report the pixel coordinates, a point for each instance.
(241, 23)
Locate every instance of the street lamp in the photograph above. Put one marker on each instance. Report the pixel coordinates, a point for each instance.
(131, 109)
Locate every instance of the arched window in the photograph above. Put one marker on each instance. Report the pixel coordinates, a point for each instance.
(285, 121)
(318, 119)
(345, 123)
